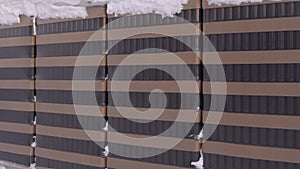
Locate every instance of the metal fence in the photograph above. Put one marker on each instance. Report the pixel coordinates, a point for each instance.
(257, 43)
(17, 92)
(259, 47)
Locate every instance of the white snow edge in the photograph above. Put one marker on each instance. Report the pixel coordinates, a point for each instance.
(106, 151)
(200, 163)
(10, 10)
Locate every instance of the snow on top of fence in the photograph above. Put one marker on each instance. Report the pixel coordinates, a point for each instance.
(10, 10)
(164, 7)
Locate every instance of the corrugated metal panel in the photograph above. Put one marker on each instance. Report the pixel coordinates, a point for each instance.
(251, 11)
(259, 127)
(151, 72)
(16, 92)
(61, 140)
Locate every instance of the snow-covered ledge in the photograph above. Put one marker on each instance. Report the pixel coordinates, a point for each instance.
(10, 10)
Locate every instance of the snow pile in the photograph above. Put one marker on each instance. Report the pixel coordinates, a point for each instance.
(164, 7)
(235, 2)
(199, 164)
(10, 10)
(106, 127)
(106, 151)
(33, 166)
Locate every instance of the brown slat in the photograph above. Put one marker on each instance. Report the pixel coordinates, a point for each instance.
(17, 127)
(70, 37)
(253, 152)
(127, 164)
(259, 25)
(162, 142)
(71, 157)
(63, 61)
(68, 85)
(16, 84)
(253, 57)
(259, 121)
(71, 133)
(70, 61)
(167, 115)
(69, 109)
(148, 86)
(18, 106)
(24, 21)
(16, 149)
(192, 4)
(253, 89)
(16, 63)
(156, 59)
(17, 41)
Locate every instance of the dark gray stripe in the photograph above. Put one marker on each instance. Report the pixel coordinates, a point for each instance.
(144, 20)
(254, 73)
(16, 32)
(66, 97)
(213, 161)
(16, 95)
(260, 11)
(255, 41)
(15, 138)
(70, 145)
(171, 157)
(71, 49)
(157, 72)
(270, 105)
(119, 124)
(16, 158)
(16, 52)
(70, 121)
(49, 163)
(66, 73)
(127, 46)
(16, 73)
(188, 101)
(12, 116)
(154, 45)
(137, 99)
(82, 25)
(154, 128)
(279, 138)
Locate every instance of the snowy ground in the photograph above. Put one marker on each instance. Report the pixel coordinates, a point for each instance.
(9, 165)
